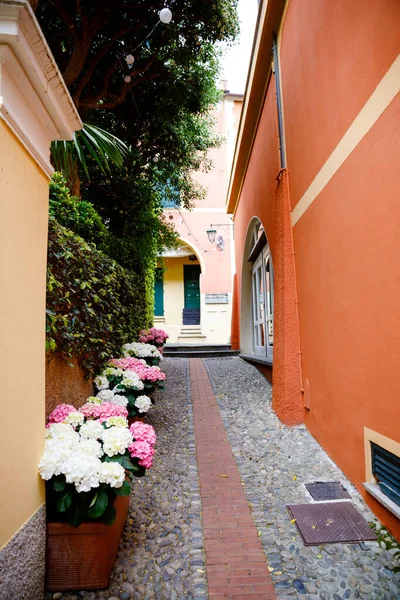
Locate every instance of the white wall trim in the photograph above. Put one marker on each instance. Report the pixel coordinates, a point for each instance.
(385, 92)
(34, 100)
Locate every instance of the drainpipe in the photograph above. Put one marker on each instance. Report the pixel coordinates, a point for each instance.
(279, 100)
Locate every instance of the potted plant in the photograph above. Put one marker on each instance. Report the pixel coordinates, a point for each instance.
(154, 336)
(152, 379)
(124, 387)
(89, 455)
(146, 352)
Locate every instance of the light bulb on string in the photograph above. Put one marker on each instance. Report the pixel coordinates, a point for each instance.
(165, 15)
(127, 79)
(129, 59)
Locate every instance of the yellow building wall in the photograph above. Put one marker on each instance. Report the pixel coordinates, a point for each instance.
(174, 295)
(23, 251)
(215, 318)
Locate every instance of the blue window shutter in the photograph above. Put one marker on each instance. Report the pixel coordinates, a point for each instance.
(386, 470)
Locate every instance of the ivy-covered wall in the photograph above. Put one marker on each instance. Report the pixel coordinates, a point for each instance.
(93, 304)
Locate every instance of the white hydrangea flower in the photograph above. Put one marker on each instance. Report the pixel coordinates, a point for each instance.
(83, 470)
(116, 440)
(62, 431)
(112, 473)
(93, 400)
(93, 430)
(143, 403)
(120, 400)
(106, 395)
(92, 447)
(61, 443)
(112, 372)
(116, 422)
(132, 380)
(75, 418)
(140, 350)
(101, 382)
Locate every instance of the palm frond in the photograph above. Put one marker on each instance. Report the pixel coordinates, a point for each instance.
(91, 141)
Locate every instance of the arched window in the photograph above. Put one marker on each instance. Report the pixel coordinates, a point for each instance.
(262, 294)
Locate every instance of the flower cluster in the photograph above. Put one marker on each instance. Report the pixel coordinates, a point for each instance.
(148, 352)
(104, 411)
(145, 373)
(143, 445)
(154, 336)
(78, 456)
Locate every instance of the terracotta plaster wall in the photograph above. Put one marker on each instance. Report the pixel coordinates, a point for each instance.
(23, 253)
(332, 58)
(65, 384)
(268, 199)
(348, 268)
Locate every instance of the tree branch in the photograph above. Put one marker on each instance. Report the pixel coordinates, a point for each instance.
(117, 99)
(93, 102)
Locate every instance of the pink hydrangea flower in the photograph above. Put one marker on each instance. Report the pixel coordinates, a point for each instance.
(103, 411)
(142, 450)
(139, 366)
(108, 409)
(142, 432)
(127, 363)
(60, 413)
(88, 409)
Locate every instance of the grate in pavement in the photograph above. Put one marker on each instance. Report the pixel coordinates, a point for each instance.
(327, 490)
(330, 522)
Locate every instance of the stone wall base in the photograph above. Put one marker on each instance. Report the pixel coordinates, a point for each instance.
(22, 561)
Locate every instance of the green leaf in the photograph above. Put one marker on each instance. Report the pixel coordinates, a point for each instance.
(125, 490)
(64, 501)
(108, 517)
(78, 516)
(100, 505)
(59, 483)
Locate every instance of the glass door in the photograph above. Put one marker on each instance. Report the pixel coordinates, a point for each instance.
(262, 293)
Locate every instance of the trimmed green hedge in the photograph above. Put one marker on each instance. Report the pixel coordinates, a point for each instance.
(93, 304)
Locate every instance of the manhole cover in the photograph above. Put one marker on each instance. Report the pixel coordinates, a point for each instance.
(327, 490)
(330, 522)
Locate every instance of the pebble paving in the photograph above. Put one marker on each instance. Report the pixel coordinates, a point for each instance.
(275, 462)
(161, 554)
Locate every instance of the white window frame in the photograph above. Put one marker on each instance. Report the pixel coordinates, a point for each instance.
(262, 309)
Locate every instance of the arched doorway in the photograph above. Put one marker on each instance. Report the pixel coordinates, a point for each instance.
(178, 294)
(257, 305)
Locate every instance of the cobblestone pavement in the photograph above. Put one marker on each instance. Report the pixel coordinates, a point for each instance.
(161, 554)
(275, 462)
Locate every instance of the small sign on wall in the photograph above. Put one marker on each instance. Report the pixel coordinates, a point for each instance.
(217, 299)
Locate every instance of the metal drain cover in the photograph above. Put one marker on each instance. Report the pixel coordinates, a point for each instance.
(327, 490)
(330, 522)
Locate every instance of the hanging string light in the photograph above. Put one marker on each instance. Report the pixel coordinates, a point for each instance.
(165, 16)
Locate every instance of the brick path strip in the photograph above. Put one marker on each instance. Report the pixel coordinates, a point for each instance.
(236, 564)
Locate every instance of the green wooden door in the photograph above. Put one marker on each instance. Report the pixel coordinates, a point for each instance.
(159, 296)
(191, 275)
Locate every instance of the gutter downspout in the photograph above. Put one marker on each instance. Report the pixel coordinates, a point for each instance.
(279, 101)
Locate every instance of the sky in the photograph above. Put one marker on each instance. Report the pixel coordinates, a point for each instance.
(236, 60)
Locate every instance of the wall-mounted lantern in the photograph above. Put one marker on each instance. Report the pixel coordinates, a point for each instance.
(211, 233)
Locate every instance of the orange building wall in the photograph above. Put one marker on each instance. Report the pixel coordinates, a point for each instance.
(266, 198)
(348, 270)
(332, 58)
(347, 243)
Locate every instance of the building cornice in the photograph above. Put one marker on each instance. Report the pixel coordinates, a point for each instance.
(34, 100)
(269, 16)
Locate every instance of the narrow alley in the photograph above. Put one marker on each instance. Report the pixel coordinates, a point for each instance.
(210, 520)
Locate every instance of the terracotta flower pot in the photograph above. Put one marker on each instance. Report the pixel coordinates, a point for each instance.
(82, 558)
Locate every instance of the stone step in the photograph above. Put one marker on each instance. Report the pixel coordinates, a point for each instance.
(194, 350)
